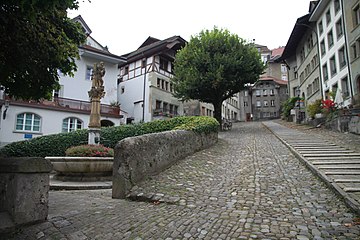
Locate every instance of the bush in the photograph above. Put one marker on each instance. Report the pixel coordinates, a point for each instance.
(89, 150)
(56, 144)
(288, 105)
(314, 108)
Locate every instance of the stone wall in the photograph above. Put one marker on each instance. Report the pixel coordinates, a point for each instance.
(137, 158)
(24, 187)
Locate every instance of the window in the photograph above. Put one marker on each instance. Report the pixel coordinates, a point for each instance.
(59, 93)
(158, 104)
(320, 27)
(126, 70)
(165, 107)
(283, 68)
(171, 87)
(158, 82)
(336, 5)
(272, 92)
(89, 71)
(316, 85)
(333, 65)
(284, 77)
(355, 49)
(258, 103)
(325, 72)
(164, 64)
(28, 122)
(71, 124)
(176, 110)
(339, 28)
(143, 63)
(345, 87)
(330, 39)
(258, 93)
(342, 58)
(264, 92)
(272, 103)
(246, 104)
(356, 15)
(266, 103)
(322, 47)
(328, 17)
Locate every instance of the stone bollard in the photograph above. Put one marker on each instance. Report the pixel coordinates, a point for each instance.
(24, 188)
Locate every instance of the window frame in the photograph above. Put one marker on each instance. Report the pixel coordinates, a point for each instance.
(32, 124)
(76, 124)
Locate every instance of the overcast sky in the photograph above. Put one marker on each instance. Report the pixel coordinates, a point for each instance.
(124, 25)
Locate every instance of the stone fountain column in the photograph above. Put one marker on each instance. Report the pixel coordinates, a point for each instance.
(96, 93)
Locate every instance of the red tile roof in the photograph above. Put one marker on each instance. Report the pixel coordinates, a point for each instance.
(277, 51)
(269, 78)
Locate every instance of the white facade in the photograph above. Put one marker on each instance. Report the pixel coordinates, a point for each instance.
(145, 90)
(332, 48)
(70, 108)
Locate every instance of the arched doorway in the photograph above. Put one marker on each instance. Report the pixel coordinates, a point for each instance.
(106, 123)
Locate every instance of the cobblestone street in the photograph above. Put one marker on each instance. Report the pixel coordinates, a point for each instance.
(248, 186)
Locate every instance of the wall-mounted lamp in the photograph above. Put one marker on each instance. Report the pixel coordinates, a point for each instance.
(6, 105)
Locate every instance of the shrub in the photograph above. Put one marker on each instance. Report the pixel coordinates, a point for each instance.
(288, 105)
(314, 108)
(89, 151)
(56, 144)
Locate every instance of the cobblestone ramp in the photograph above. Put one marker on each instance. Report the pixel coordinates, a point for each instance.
(337, 166)
(248, 186)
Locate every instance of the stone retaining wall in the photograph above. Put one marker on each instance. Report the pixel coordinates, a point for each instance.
(137, 158)
(24, 187)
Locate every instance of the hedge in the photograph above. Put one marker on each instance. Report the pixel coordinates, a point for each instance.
(56, 144)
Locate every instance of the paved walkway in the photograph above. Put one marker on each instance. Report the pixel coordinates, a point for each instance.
(248, 186)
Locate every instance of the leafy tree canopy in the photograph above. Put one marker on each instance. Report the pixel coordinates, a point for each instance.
(215, 65)
(37, 40)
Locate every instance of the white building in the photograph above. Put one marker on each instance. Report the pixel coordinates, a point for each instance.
(332, 48)
(145, 90)
(70, 108)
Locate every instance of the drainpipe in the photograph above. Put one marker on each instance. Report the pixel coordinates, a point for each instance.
(144, 87)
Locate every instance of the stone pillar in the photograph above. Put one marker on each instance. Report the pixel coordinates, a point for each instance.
(96, 93)
(24, 187)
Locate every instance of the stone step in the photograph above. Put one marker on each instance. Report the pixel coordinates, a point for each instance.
(357, 173)
(324, 151)
(326, 162)
(333, 158)
(344, 180)
(331, 155)
(349, 167)
(352, 189)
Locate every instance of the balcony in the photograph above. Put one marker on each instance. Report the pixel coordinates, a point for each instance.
(165, 112)
(66, 104)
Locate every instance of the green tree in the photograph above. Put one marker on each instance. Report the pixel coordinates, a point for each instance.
(213, 66)
(37, 39)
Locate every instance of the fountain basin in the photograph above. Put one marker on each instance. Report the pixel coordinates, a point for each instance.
(82, 168)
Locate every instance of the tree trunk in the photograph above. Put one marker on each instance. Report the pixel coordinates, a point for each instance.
(217, 112)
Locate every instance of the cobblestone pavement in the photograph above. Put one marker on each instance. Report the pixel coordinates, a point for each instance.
(248, 186)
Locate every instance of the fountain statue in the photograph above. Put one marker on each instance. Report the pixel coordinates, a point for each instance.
(96, 93)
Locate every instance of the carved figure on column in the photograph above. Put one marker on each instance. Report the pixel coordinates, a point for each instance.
(96, 93)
